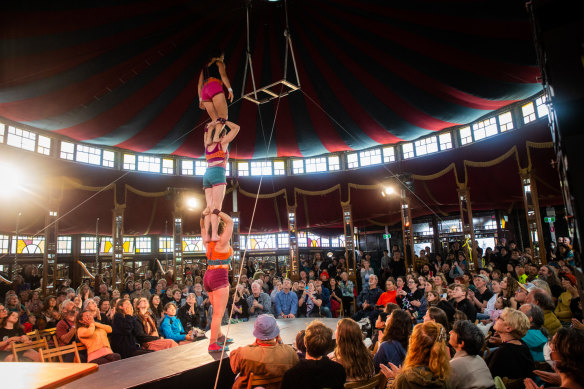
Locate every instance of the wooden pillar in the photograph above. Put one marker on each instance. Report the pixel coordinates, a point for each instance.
(50, 255)
(349, 241)
(465, 207)
(293, 244)
(532, 214)
(177, 246)
(118, 247)
(408, 236)
(236, 244)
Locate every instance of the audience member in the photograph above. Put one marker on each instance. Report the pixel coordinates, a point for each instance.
(512, 359)
(394, 341)
(426, 364)
(94, 336)
(543, 300)
(286, 302)
(171, 327)
(258, 302)
(317, 370)
(351, 352)
(146, 332)
(367, 299)
(267, 357)
(467, 369)
(12, 332)
(123, 338)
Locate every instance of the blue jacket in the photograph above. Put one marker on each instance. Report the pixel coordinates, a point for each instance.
(391, 351)
(286, 303)
(171, 328)
(326, 297)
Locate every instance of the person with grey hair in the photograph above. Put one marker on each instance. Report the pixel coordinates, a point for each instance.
(541, 284)
(536, 336)
(367, 299)
(543, 300)
(259, 303)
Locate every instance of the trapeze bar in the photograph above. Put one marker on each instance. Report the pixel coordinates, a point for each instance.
(266, 94)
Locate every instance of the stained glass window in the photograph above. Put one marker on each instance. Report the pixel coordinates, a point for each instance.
(193, 244)
(261, 242)
(302, 239)
(28, 245)
(165, 244)
(338, 241)
(106, 245)
(64, 245)
(4, 240)
(143, 245)
(129, 245)
(314, 240)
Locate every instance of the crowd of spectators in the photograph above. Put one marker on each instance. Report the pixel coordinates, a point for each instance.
(447, 324)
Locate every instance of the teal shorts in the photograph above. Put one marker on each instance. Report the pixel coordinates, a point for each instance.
(214, 175)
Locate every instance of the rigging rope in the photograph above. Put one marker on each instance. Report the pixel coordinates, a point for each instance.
(242, 260)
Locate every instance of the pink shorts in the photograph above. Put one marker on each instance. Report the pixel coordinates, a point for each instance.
(210, 89)
(215, 279)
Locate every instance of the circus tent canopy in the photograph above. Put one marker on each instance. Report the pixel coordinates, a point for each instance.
(371, 72)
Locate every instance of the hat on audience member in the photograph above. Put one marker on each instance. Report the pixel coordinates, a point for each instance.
(571, 278)
(324, 273)
(483, 277)
(265, 327)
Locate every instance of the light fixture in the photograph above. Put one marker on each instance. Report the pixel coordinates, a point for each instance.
(10, 179)
(387, 191)
(192, 203)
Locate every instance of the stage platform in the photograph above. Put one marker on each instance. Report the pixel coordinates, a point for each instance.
(185, 366)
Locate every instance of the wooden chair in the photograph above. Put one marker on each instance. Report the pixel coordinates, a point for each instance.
(259, 380)
(58, 352)
(341, 311)
(35, 345)
(377, 381)
(80, 346)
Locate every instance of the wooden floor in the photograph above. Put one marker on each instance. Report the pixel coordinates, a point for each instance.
(161, 365)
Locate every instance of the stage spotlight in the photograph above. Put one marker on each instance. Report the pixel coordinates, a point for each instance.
(192, 203)
(387, 191)
(10, 179)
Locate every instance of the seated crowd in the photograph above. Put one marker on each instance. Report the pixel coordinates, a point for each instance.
(511, 321)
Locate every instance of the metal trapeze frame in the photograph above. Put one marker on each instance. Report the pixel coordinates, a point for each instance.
(267, 93)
